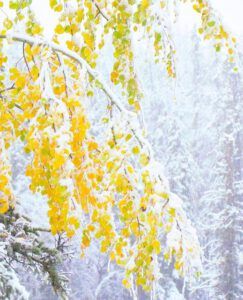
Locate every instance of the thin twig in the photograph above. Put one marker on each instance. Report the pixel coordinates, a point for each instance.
(100, 11)
(25, 60)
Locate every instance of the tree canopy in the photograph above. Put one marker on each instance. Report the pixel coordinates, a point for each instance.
(101, 180)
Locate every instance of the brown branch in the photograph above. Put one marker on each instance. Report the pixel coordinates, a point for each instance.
(100, 11)
(25, 60)
(112, 127)
(7, 89)
(63, 72)
(12, 87)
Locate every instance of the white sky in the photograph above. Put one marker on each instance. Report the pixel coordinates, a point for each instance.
(231, 12)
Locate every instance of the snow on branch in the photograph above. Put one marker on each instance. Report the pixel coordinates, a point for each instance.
(93, 73)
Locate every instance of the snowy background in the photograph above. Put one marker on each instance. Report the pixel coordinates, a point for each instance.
(194, 123)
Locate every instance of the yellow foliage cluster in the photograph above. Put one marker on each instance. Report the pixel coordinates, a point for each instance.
(212, 29)
(109, 187)
(6, 196)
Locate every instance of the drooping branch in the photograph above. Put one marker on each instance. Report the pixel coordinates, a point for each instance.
(93, 73)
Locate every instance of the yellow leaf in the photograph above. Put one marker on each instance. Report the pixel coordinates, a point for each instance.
(85, 241)
(20, 81)
(36, 29)
(172, 211)
(59, 29)
(34, 72)
(126, 283)
(135, 150)
(130, 169)
(144, 160)
(74, 221)
(89, 40)
(178, 265)
(7, 23)
(80, 15)
(145, 4)
(156, 246)
(58, 161)
(230, 51)
(3, 206)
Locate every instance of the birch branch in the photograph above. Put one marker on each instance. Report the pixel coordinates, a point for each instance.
(93, 73)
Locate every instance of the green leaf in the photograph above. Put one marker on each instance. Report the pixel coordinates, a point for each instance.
(211, 23)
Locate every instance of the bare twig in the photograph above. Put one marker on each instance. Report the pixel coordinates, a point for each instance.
(100, 11)
(25, 60)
